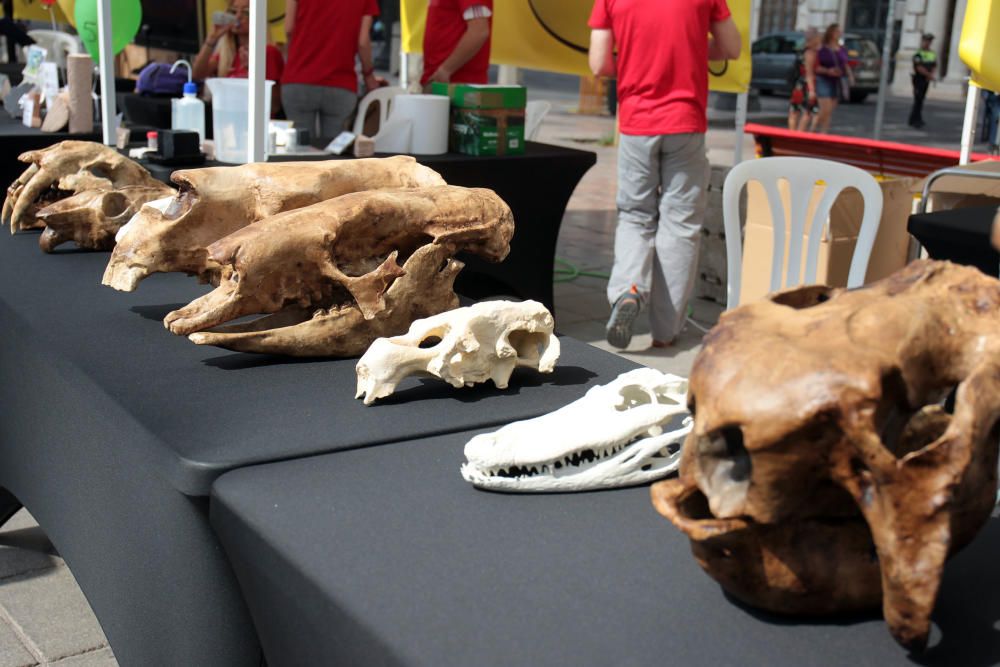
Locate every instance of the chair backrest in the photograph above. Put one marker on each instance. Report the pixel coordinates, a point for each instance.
(534, 112)
(384, 98)
(58, 44)
(802, 175)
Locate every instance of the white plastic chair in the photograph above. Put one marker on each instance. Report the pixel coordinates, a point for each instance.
(58, 44)
(801, 173)
(534, 112)
(384, 98)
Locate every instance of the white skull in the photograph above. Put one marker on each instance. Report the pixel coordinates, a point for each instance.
(623, 433)
(486, 341)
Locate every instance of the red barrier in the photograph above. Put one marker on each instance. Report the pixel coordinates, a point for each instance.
(885, 158)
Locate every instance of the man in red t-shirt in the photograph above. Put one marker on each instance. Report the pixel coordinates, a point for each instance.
(319, 87)
(457, 41)
(662, 69)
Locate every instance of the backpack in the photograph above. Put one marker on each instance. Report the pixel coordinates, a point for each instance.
(156, 80)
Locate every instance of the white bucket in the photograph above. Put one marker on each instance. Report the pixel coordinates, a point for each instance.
(231, 116)
(427, 116)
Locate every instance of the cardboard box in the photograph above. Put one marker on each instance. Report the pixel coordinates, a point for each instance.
(487, 132)
(836, 249)
(951, 192)
(481, 96)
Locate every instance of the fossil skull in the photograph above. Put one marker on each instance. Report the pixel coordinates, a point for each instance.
(826, 472)
(339, 274)
(69, 167)
(216, 201)
(486, 341)
(626, 432)
(93, 217)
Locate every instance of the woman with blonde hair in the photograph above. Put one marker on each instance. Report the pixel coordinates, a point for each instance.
(226, 52)
(831, 70)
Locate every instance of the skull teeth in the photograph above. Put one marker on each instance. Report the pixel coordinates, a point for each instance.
(574, 460)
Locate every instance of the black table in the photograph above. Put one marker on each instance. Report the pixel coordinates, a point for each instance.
(536, 185)
(114, 431)
(386, 556)
(960, 235)
(15, 139)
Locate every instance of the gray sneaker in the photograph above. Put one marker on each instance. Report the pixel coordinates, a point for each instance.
(619, 329)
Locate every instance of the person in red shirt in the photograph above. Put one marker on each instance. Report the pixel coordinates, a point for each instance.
(226, 53)
(319, 88)
(457, 41)
(662, 70)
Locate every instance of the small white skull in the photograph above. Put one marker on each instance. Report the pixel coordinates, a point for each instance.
(486, 341)
(626, 432)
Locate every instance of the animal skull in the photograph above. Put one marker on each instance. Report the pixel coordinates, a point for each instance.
(93, 217)
(623, 433)
(69, 167)
(330, 273)
(216, 201)
(486, 341)
(824, 473)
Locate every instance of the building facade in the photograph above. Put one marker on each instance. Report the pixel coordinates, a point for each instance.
(912, 18)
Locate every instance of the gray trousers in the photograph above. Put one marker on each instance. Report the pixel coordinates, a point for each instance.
(323, 110)
(662, 181)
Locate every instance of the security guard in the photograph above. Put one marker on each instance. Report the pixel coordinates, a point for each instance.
(924, 66)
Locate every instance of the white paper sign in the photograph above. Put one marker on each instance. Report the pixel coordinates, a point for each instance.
(49, 80)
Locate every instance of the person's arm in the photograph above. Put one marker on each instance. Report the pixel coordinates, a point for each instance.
(724, 44)
(601, 53)
(810, 65)
(203, 66)
(290, 7)
(477, 31)
(365, 54)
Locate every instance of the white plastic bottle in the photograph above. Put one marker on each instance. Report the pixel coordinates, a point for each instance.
(188, 113)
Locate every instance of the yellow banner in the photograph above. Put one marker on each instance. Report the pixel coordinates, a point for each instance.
(553, 35)
(34, 10)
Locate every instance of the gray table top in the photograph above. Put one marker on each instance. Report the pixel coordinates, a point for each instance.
(206, 410)
(387, 556)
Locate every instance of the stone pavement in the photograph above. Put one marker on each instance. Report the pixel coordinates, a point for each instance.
(44, 618)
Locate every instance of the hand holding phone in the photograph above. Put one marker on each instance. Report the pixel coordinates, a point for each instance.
(223, 18)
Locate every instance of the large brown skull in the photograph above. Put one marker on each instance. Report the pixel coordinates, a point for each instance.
(330, 273)
(825, 470)
(93, 217)
(217, 201)
(66, 168)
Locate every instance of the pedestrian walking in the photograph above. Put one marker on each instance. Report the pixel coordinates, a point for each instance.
(803, 105)
(833, 76)
(924, 71)
(663, 49)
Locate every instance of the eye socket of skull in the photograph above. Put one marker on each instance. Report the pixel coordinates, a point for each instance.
(430, 341)
(114, 204)
(805, 297)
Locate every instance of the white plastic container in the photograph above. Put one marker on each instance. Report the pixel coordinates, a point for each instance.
(188, 113)
(231, 117)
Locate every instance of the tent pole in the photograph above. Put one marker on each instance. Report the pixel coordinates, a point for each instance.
(742, 98)
(107, 69)
(969, 124)
(257, 130)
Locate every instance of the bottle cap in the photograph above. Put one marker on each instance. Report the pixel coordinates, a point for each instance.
(152, 134)
(190, 88)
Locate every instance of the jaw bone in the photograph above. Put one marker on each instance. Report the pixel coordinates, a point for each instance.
(486, 341)
(623, 433)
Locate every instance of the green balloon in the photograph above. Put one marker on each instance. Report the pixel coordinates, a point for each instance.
(126, 16)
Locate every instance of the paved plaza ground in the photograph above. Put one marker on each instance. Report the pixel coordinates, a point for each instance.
(44, 618)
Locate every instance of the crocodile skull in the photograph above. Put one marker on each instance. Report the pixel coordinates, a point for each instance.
(216, 201)
(93, 217)
(69, 167)
(486, 341)
(825, 472)
(341, 273)
(626, 432)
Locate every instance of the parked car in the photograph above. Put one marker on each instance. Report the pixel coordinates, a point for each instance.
(774, 55)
